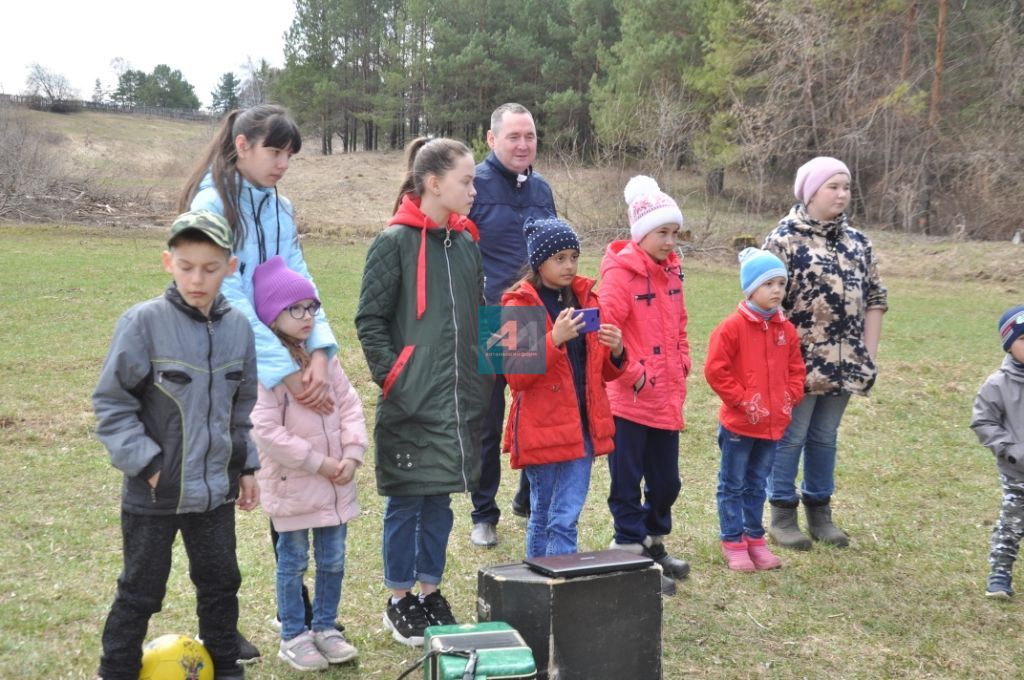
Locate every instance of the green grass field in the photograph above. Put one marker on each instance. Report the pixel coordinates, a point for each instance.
(916, 492)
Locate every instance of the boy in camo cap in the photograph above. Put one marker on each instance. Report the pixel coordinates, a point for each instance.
(172, 407)
(999, 423)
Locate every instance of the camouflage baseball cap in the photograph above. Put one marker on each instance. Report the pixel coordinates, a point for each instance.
(209, 223)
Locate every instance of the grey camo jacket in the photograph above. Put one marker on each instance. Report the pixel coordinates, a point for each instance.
(833, 282)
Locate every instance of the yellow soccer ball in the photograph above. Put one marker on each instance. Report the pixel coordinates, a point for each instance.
(175, 657)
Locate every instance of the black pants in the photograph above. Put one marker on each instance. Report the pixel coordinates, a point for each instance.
(485, 508)
(209, 539)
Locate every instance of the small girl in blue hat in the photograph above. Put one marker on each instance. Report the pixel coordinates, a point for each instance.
(754, 364)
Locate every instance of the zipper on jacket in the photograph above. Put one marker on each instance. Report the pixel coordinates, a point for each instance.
(209, 425)
(842, 282)
(455, 323)
(765, 344)
(334, 487)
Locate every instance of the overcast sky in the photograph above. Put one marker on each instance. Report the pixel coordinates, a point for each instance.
(201, 38)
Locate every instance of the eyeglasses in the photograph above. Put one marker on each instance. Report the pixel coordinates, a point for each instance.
(299, 311)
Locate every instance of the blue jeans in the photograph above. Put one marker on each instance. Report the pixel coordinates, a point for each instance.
(813, 433)
(415, 545)
(746, 463)
(292, 560)
(557, 494)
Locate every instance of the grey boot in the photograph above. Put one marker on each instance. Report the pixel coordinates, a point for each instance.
(820, 526)
(785, 530)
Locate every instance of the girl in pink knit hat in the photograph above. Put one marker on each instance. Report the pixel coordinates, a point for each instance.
(835, 299)
(642, 293)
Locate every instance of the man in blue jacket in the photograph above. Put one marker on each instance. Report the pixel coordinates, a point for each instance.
(509, 192)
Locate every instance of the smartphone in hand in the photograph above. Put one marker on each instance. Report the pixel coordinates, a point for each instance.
(591, 319)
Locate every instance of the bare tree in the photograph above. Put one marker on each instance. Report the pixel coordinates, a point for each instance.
(52, 86)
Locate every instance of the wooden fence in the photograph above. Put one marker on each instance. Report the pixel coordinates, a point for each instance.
(75, 105)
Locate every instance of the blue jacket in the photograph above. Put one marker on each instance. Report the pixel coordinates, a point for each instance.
(270, 230)
(501, 206)
(174, 397)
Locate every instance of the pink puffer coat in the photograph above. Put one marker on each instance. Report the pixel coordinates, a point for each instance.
(645, 299)
(293, 441)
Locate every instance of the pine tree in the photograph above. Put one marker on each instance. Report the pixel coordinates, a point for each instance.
(225, 97)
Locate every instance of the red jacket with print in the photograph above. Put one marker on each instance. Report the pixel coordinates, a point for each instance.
(544, 422)
(756, 367)
(645, 299)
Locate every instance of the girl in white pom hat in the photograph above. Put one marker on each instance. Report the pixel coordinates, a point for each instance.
(642, 293)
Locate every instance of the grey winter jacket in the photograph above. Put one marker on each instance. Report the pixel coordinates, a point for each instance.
(174, 397)
(998, 419)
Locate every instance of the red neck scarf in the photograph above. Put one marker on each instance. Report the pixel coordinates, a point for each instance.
(410, 215)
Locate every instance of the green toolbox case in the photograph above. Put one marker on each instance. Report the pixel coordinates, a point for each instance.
(502, 654)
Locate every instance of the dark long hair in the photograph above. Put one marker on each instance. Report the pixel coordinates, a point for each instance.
(425, 156)
(266, 124)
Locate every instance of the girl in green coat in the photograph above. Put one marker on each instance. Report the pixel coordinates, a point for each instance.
(417, 322)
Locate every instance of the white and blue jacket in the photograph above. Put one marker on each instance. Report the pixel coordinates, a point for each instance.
(270, 230)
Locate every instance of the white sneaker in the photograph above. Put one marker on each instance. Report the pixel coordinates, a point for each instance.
(333, 645)
(302, 654)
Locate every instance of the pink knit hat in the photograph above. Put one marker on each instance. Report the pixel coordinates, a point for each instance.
(814, 173)
(275, 288)
(649, 207)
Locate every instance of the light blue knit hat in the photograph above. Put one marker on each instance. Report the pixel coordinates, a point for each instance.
(756, 267)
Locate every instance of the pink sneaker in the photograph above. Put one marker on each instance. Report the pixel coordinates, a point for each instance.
(760, 555)
(736, 557)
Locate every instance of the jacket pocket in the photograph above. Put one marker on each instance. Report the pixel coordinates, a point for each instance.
(397, 368)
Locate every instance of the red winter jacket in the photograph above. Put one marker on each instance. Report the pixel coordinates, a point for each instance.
(645, 299)
(544, 423)
(757, 369)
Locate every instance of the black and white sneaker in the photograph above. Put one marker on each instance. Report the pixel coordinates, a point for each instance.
(439, 612)
(406, 619)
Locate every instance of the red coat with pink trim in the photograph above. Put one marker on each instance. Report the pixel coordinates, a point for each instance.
(756, 367)
(544, 422)
(645, 299)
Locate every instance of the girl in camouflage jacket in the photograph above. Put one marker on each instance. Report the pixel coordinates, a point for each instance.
(835, 299)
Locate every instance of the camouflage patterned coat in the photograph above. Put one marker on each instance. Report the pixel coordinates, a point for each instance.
(833, 282)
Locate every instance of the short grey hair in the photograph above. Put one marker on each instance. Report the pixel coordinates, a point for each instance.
(499, 113)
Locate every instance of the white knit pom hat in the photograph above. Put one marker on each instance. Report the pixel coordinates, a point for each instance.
(649, 207)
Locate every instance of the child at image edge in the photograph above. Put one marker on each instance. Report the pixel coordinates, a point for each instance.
(999, 423)
(307, 478)
(560, 419)
(642, 294)
(754, 364)
(172, 407)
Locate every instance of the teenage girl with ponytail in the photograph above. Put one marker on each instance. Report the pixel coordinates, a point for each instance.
(417, 322)
(237, 177)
